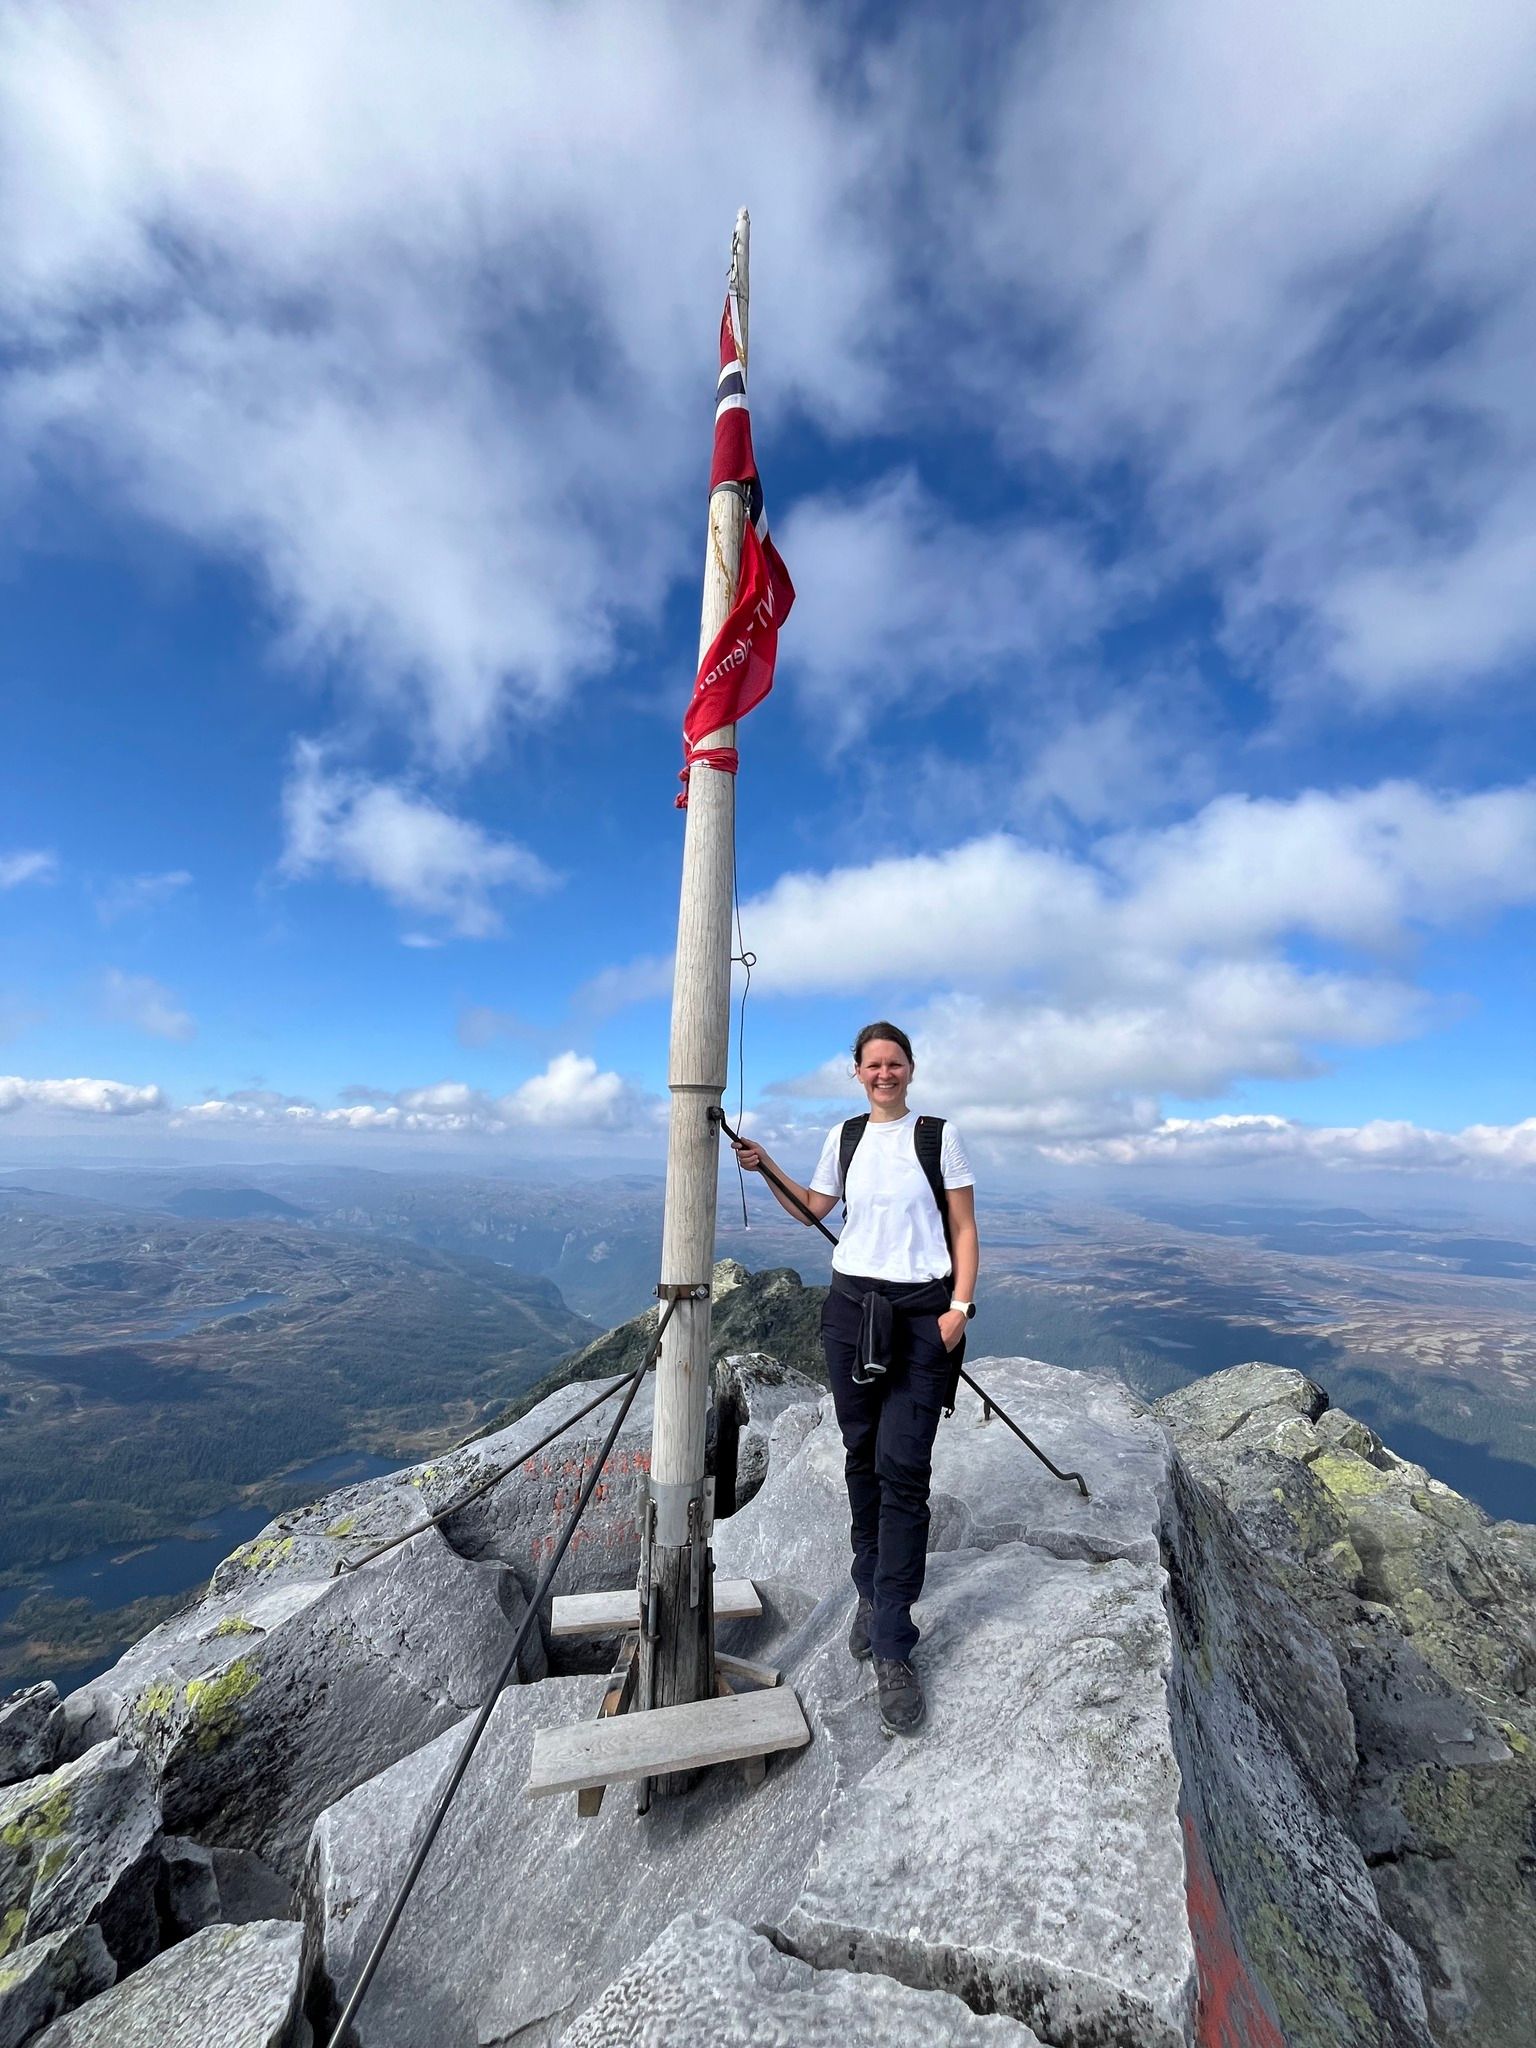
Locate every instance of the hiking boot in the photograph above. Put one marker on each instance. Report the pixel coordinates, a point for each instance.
(858, 1635)
(902, 1706)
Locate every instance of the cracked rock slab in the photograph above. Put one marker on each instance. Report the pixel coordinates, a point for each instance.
(264, 1703)
(523, 1914)
(49, 1976)
(518, 1522)
(708, 1983)
(1026, 1852)
(31, 1732)
(78, 1847)
(227, 1987)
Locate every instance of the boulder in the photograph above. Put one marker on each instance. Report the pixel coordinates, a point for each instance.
(518, 1522)
(189, 1889)
(249, 1889)
(752, 1391)
(1428, 1611)
(1026, 1853)
(707, 1983)
(31, 1732)
(1029, 1863)
(227, 1987)
(284, 1687)
(81, 1847)
(1265, 1746)
(49, 1976)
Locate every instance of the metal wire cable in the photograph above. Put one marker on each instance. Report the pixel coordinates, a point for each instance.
(747, 961)
(472, 1740)
(355, 1564)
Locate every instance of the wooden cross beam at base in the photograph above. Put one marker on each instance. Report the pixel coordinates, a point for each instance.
(665, 1741)
(612, 1614)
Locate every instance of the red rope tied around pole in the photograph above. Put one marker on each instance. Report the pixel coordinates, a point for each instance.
(726, 759)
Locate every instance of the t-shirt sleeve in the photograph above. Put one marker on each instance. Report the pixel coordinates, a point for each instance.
(954, 1167)
(828, 1179)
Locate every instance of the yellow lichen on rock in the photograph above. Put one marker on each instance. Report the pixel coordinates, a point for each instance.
(214, 1703)
(261, 1552)
(1349, 1477)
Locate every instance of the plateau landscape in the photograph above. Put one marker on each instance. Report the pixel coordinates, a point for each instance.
(182, 1355)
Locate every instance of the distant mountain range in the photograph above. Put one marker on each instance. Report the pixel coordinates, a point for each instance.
(173, 1344)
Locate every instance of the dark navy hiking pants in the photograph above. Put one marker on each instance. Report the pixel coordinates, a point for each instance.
(888, 1429)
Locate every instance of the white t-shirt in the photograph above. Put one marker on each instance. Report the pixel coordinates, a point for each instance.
(893, 1229)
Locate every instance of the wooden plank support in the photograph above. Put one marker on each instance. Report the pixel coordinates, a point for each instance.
(616, 1700)
(744, 1669)
(611, 1614)
(753, 1768)
(689, 1737)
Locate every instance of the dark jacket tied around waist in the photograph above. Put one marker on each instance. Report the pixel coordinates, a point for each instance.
(880, 1302)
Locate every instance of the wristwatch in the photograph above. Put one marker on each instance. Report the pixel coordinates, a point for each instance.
(963, 1308)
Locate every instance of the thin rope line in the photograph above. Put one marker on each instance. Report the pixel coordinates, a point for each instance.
(747, 961)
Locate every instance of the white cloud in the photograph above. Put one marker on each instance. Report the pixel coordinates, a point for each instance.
(1363, 867)
(30, 866)
(412, 307)
(1157, 963)
(637, 981)
(82, 1097)
(1131, 754)
(1485, 1150)
(1274, 264)
(145, 1004)
(423, 858)
(134, 895)
(895, 595)
(571, 1094)
(384, 300)
(481, 1025)
(1019, 1067)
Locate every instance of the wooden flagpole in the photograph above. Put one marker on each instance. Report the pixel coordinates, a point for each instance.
(677, 1635)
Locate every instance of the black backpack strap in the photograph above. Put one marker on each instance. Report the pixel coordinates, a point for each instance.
(928, 1142)
(854, 1128)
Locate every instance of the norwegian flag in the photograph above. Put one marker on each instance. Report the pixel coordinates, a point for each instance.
(737, 670)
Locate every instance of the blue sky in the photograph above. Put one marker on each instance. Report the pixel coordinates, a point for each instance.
(1143, 401)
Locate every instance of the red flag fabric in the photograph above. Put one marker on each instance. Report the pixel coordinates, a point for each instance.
(737, 670)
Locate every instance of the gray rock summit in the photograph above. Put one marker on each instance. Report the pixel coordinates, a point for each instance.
(1236, 1753)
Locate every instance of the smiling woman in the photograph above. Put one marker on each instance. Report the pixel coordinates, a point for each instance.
(893, 1329)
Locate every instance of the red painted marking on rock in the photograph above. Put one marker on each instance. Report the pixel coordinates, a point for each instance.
(1231, 2012)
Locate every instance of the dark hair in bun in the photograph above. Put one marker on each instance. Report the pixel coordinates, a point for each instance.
(882, 1030)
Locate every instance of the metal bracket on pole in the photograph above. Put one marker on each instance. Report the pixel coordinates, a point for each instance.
(685, 1290)
(697, 1548)
(677, 1510)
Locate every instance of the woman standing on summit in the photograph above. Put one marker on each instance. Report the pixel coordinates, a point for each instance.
(903, 1282)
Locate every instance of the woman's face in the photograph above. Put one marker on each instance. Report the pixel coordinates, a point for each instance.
(886, 1073)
